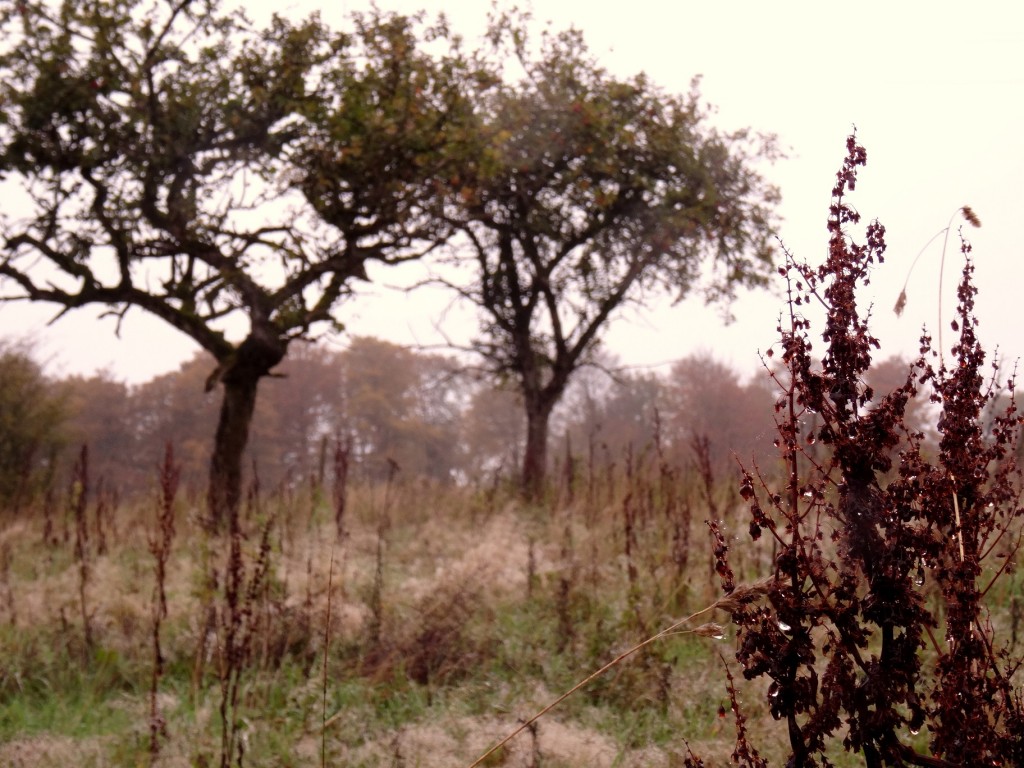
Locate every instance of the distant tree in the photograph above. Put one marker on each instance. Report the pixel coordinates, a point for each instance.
(582, 192)
(100, 413)
(493, 432)
(395, 403)
(32, 413)
(301, 410)
(440, 400)
(301, 404)
(620, 413)
(172, 408)
(400, 407)
(706, 399)
(176, 160)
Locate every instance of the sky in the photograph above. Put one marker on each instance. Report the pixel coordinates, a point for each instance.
(934, 89)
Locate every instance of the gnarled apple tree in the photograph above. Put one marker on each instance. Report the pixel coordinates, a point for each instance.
(585, 192)
(178, 160)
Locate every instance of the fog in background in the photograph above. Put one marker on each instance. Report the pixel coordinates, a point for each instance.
(936, 92)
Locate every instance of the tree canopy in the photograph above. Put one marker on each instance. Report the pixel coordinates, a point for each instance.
(582, 192)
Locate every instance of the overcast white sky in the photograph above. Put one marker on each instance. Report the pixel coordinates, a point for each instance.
(935, 89)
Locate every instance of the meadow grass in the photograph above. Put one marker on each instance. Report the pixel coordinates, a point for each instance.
(454, 616)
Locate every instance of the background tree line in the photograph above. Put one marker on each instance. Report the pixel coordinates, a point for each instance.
(420, 415)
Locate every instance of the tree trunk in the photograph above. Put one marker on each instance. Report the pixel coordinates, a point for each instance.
(535, 457)
(240, 376)
(224, 494)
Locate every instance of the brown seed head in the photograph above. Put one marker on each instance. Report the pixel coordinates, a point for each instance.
(744, 594)
(971, 216)
(711, 629)
(901, 303)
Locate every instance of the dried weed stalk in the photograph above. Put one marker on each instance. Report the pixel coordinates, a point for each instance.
(240, 624)
(853, 653)
(6, 559)
(160, 543)
(78, 504)
(342, 455)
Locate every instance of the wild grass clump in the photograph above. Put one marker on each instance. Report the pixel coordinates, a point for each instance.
(160, 544)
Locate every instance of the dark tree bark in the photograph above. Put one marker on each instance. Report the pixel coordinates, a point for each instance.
(240, 374)
(224, 493)
(539, 399)
(535, 456)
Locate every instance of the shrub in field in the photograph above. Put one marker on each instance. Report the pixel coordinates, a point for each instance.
(31, 417)
(880, 623)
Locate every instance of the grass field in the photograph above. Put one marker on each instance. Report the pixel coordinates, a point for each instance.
(436, 624)
(439, 622)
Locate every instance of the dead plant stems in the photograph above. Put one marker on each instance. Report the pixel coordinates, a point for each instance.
(327, 645)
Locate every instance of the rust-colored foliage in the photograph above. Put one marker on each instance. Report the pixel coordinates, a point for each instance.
(869, 528)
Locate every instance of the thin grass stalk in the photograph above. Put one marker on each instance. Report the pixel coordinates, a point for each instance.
(49, 505)
(103, 510)
(5, 583)
(342, 454)
(327, 646)
(377, 591)
(79, 502)
(742, 595)
(160, 544)
(972, 218)
(563, 603)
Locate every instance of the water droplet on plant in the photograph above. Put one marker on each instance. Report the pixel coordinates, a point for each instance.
(720, 635)
(919, 578)
(784, 627)
(914, 731)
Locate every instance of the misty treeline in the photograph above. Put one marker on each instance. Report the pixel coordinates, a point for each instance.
(389, 412)
(395, 413)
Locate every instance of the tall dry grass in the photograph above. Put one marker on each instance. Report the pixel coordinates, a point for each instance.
(436, 595)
